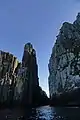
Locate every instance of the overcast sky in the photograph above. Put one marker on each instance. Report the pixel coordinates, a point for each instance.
(35, 21)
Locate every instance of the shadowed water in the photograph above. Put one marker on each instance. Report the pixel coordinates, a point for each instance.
(41, 113)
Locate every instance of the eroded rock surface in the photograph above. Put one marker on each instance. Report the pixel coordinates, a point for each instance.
(64, 63)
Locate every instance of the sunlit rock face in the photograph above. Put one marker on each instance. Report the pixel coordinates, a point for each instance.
(8, 64)
(64, 63)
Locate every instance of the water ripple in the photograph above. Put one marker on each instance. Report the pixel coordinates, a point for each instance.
(41, 113)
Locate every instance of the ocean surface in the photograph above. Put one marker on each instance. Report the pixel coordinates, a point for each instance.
(41, 113)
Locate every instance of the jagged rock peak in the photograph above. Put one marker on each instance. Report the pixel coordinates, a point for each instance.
(28, 48)
(28, 54)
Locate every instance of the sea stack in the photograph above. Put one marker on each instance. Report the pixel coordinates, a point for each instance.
(29, 62)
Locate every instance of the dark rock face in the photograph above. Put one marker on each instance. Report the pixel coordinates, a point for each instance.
(40, 97)
(64, 63)
(19, 81)
(29, 62)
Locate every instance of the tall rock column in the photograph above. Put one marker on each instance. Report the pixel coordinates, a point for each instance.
(29, 62)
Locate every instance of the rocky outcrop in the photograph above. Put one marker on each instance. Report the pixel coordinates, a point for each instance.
(8, 64)
(29, 62)
(64, 63)
(19, 81)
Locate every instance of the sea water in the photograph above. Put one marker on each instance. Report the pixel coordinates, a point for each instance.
(41, 113)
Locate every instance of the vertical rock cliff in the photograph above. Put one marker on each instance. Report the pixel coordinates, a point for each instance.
(29, 62)
(64, 63)
(8, 64)
(19, 83)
